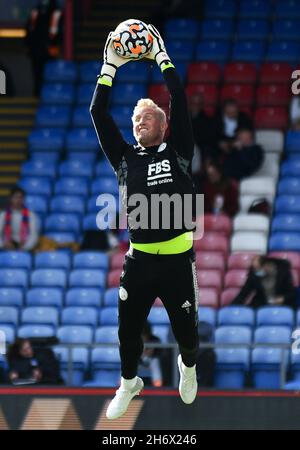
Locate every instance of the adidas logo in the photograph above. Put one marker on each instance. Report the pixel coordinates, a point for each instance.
(186, 305)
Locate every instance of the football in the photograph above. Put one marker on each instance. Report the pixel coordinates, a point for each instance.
(132, 39)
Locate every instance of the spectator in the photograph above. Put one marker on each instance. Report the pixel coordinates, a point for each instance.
(244, 157)
(270, 280)
(36, 366)
(150, 368)
(18, 225)
(220, 193)
(294, 110)
(229, 120)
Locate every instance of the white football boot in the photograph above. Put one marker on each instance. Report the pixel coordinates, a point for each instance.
(188, 382)
(119, 404)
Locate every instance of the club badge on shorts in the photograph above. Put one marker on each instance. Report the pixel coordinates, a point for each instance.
(123, 294)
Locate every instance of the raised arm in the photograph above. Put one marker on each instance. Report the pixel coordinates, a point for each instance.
(109, 135)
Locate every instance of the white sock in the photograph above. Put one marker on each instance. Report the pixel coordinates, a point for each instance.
(188, 370)
(128, 384)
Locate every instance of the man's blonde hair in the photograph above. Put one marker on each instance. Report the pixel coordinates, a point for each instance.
(148, 103)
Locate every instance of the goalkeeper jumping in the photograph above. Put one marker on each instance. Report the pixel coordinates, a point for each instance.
(160, 262)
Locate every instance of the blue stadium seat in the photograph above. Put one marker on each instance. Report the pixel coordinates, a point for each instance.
(181, 28)
(236, 315)
(249, 51)
(80, 139)
(9, 315)
(88, 71)
(89, 221)
(80, 363)
(84, 297)
(220, 8)
(52, 259)
(289, 186)
(67, 204)
(48, 278)
(62, 222)
(16, 259)
(32, 185)
(181, 50)
(111, 297)
(158, 316)
(207, 314)
(84, 93)
(286, 29)
(71, 334)
(289, 9)
(216, 29)
(292, 141)
(11, 297)
(290, 167)
(44, 297)
(157, 76)
(128, 93)
(162, 332)
(37, 203)
(284, 241)
(75, 168)
(53, 116)
(82, 157)
(38, 168)
(36, 331)
(298, 318)
(122, 116)
(253, 29)
(133, 73)
(128, 136)
(212, 51)
(41, 315)
(286, 222)
(79, 315)
(287, 204)
(233, 334)
(275, 315)
(57, 94)
(231, 368)
(46, 139)
(51, 157)
(108, 316)
(265, 367)
(13, 278)
(286, 51)
(295, 366)
(107, 334)
(105, 358)
(104, 378)
(272, 334)
(61, 237)
(258, 9)
(9, 333)
(105, 185)
(81, 117)
(92, 260)
(71, 186)
(87, 278)
(60, 71)
(103, 168)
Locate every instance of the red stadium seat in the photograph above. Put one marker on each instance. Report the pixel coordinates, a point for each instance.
(204, 72)
(275, 73)
(228, 295)
(242, 93)
(159, 94)
(240, 260)
(221, 223)
(210, 278)
(273, 95)
(117, 260)
(113, 278)
(271, 117)
(235, 278)
(212, 241)
(210, 260)
(240, 72)
(209, 297)
(209, 92)
(293, 257)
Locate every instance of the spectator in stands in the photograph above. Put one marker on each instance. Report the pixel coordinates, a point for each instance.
(244, 157)
(26, 364)
(42, 37)
(18, 225)
(229, 119)
(220, 193)
(270, 280)
(294, 110)
(150, 366)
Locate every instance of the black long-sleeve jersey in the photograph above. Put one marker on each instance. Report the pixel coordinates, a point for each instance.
(163, 169)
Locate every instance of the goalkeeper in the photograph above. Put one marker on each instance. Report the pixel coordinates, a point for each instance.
(160, 262)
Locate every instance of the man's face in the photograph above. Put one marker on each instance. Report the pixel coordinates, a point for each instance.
(245, 138)
(231, 111)
(17, 200)
(26, 350)
(148, 127)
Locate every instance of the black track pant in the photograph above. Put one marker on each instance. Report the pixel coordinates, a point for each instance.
(145, 277)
